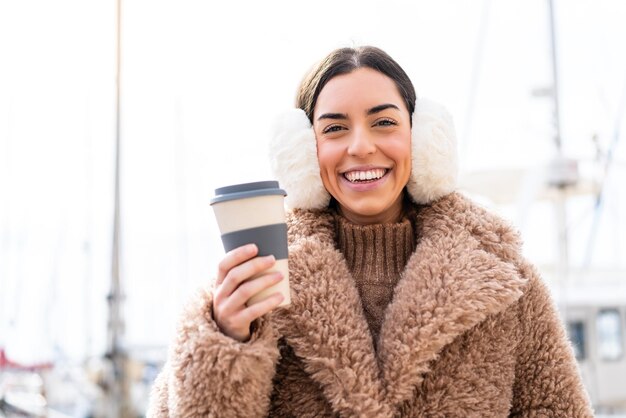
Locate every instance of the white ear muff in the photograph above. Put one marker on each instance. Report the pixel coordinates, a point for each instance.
(293, 157)
(434, 168)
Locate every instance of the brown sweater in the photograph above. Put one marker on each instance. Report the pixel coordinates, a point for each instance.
(376, 256)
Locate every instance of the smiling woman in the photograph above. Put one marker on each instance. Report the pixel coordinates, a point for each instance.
(408, 300)
(363, 136)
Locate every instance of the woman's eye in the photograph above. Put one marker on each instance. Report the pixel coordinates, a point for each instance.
(385, 122)
(332, 128)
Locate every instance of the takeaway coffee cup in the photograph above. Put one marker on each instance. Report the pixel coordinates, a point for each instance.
(254, 213)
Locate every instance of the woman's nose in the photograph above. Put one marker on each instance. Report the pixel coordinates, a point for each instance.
(361, 144)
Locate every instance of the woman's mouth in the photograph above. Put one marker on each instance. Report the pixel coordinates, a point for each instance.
(365, 176)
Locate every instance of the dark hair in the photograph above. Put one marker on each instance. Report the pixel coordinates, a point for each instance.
(344, 61)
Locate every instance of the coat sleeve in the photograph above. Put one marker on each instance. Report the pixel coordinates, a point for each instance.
(547, 379)
(210, 374)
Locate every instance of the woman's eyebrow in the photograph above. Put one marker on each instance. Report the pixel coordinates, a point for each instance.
(333, 116)
(381, 107)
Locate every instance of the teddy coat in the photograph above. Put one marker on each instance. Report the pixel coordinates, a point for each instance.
(471, 332)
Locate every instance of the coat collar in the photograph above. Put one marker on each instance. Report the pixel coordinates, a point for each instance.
(460, 273)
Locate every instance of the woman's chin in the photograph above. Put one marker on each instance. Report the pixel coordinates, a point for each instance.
(371, 211)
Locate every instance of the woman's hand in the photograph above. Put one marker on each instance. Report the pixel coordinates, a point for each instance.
(233, 289)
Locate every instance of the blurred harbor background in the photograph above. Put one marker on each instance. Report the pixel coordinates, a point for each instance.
(89, 300)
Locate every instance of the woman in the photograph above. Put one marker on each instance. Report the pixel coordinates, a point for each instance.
(407, 299)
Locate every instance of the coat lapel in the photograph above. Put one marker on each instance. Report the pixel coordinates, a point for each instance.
(325, 324)
(452, 282)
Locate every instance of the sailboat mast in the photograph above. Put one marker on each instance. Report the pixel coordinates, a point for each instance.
(118, 397)
(555, 81)
(559, 176)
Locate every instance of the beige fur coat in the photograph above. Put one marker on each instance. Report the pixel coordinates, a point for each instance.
(471, 332)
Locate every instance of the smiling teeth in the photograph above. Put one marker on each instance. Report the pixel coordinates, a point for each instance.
(354, 176)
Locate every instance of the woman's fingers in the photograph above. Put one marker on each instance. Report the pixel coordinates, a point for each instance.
(239, 274)
(238, 326)
(238, 299)
(234, 286)
(259, 309)
(234, 258)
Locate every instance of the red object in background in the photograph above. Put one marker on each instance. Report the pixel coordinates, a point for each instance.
(5, 363)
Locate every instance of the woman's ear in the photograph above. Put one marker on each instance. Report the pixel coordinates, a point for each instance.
(293, 157)
(434, 168)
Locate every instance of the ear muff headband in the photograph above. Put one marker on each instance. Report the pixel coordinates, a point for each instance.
(293, 157)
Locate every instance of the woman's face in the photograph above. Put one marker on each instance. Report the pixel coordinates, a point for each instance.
(363, 136)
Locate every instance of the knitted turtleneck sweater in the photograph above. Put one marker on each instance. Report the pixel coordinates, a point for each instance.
(376, 256)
